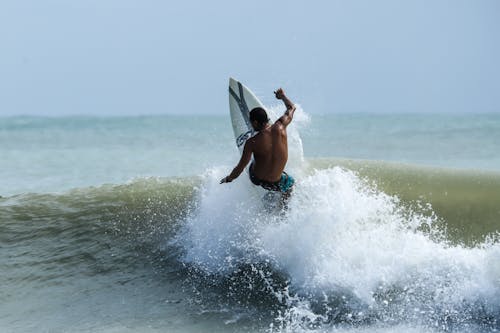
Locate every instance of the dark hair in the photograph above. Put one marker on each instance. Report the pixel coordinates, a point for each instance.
(260, 115)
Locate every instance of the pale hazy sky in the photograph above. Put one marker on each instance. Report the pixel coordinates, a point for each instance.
(123, 57)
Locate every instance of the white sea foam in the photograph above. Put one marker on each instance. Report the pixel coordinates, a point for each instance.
(341, 237)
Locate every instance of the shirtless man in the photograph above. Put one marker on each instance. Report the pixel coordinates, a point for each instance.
(270, 150)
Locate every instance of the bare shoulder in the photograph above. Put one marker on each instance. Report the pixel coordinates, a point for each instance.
(278, 128)
(278, 125)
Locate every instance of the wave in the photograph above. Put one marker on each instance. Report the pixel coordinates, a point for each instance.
(367, 242)
(465, 200)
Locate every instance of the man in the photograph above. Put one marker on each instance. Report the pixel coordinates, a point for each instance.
(270, 150)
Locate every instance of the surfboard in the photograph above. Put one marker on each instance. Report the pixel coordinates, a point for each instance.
(241, 101)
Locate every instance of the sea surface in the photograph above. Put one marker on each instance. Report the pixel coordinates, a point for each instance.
(119, 224)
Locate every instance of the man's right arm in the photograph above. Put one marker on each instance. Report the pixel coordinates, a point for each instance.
(290, 107)
(246, 156)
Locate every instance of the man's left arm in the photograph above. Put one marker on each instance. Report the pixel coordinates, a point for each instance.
(245, 158)
(290, 107)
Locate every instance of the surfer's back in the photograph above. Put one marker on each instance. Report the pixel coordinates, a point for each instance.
(270, 152)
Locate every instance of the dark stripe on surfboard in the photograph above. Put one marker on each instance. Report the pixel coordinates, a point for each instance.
(242, 104)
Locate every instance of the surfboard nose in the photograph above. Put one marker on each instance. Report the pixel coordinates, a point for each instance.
(233, 84)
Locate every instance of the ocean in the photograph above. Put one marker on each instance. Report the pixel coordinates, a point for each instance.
(119, 224)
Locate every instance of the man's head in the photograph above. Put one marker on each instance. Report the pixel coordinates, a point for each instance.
(258, 118)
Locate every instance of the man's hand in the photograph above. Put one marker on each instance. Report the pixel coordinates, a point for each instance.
(226, 179)
(280, 93)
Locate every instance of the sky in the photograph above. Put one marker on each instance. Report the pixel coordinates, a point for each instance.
(147, 57)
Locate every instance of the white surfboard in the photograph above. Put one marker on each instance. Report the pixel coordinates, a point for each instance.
(241, 101)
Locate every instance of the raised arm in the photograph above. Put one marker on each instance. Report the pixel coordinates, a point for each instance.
(246, 156)
(290, 107)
